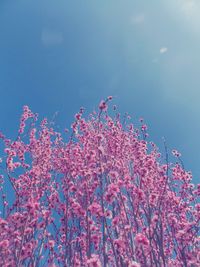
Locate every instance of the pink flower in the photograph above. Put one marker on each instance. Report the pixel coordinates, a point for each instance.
(144, 127)
(176, 153)
(95, 209)
(94, 261)
(102, 105)
(133, 264)
(78, 116)
(141, 239)
(4, 244)
(108, 214)
(51, 243)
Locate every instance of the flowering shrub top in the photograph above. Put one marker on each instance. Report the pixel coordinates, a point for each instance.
(103, 198)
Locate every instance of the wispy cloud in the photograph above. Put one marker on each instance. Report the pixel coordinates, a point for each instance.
(51, 37)
(163, 50)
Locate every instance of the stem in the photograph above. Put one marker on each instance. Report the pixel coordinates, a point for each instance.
(21, 245)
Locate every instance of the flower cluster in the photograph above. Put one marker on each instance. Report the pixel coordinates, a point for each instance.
(103, 198)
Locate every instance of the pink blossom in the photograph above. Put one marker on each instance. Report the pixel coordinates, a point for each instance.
(101, 197)
(141, 239)
(93, 261)
(133, 264)
(102, 105)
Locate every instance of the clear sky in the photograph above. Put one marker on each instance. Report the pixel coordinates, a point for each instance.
(58, 55)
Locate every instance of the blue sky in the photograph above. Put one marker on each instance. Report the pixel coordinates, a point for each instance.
(60, 55)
